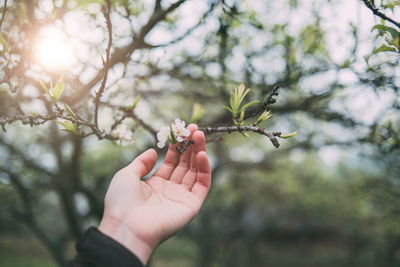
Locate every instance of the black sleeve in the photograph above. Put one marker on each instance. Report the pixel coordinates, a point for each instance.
(98, 250)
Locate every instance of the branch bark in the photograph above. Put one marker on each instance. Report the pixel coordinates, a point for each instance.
(122, 55)
(229, 129)
(106, 63)
(3, 15)
(378, 13)
(30, 163)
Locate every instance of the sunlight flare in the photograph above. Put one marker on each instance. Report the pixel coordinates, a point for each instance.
(53, 50)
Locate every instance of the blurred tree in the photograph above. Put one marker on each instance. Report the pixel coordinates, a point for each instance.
(84, 64)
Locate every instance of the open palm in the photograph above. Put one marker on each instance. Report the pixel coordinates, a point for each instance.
(149, 211)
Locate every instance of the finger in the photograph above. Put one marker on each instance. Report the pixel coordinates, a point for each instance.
(169, 164)
(203, 181)
(199, 145)
(184, 162)
(143, 163)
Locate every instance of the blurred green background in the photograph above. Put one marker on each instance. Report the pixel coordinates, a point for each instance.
(328, 197)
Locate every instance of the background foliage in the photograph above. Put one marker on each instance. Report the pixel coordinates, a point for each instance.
(328, 197)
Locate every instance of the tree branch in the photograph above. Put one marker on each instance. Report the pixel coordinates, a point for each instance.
(228, 129)
(3, 15)
(27, 161)
(123, 54)
(264, 105)
(41, 119)
(190, 30)
(147, 127)
(129, 113)
(378, 13)
(157, 5)
(106, 63)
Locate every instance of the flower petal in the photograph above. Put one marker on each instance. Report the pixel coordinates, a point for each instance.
(161, 144)
(162, 135)
(179, 123)
(185, 132)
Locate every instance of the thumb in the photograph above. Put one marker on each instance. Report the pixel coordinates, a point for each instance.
(143, 163)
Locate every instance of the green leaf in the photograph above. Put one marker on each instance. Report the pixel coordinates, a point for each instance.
(390, 4)
(384, 48)
(135, 102)
(245, 134)
(264, 116)
(237, 97)
(34, 114)
(395, 43)
(4, 43)
(86, 3)
(121, 2)
(71, 112)
(4, 87)
(69, 126)
(44, 87)
(57, 90)
(346, 64)
(289, 135)
(383, 29)
(251, 103)
(241, 115)
(366, 59)
(197, 112)
(172, 137)
(234, 100)
(137, 99)
(293, 3)
(242, 92)
(228, 108)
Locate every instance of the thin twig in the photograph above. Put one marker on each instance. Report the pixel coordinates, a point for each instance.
(28, 162)
(228, 129)
(122, 54)
(157, 6)
(4, 13)
(190, 30)
(129, 113)
(147, 127)
(270, 100)
(106, 63)
(378, 13)
(42, 119)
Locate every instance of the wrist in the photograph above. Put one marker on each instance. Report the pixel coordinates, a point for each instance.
(118, 231)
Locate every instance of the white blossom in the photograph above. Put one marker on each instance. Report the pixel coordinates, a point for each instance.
(162, 136)
(124, 135)
(179, 130)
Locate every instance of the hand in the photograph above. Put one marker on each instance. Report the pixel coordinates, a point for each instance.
(141, 214)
